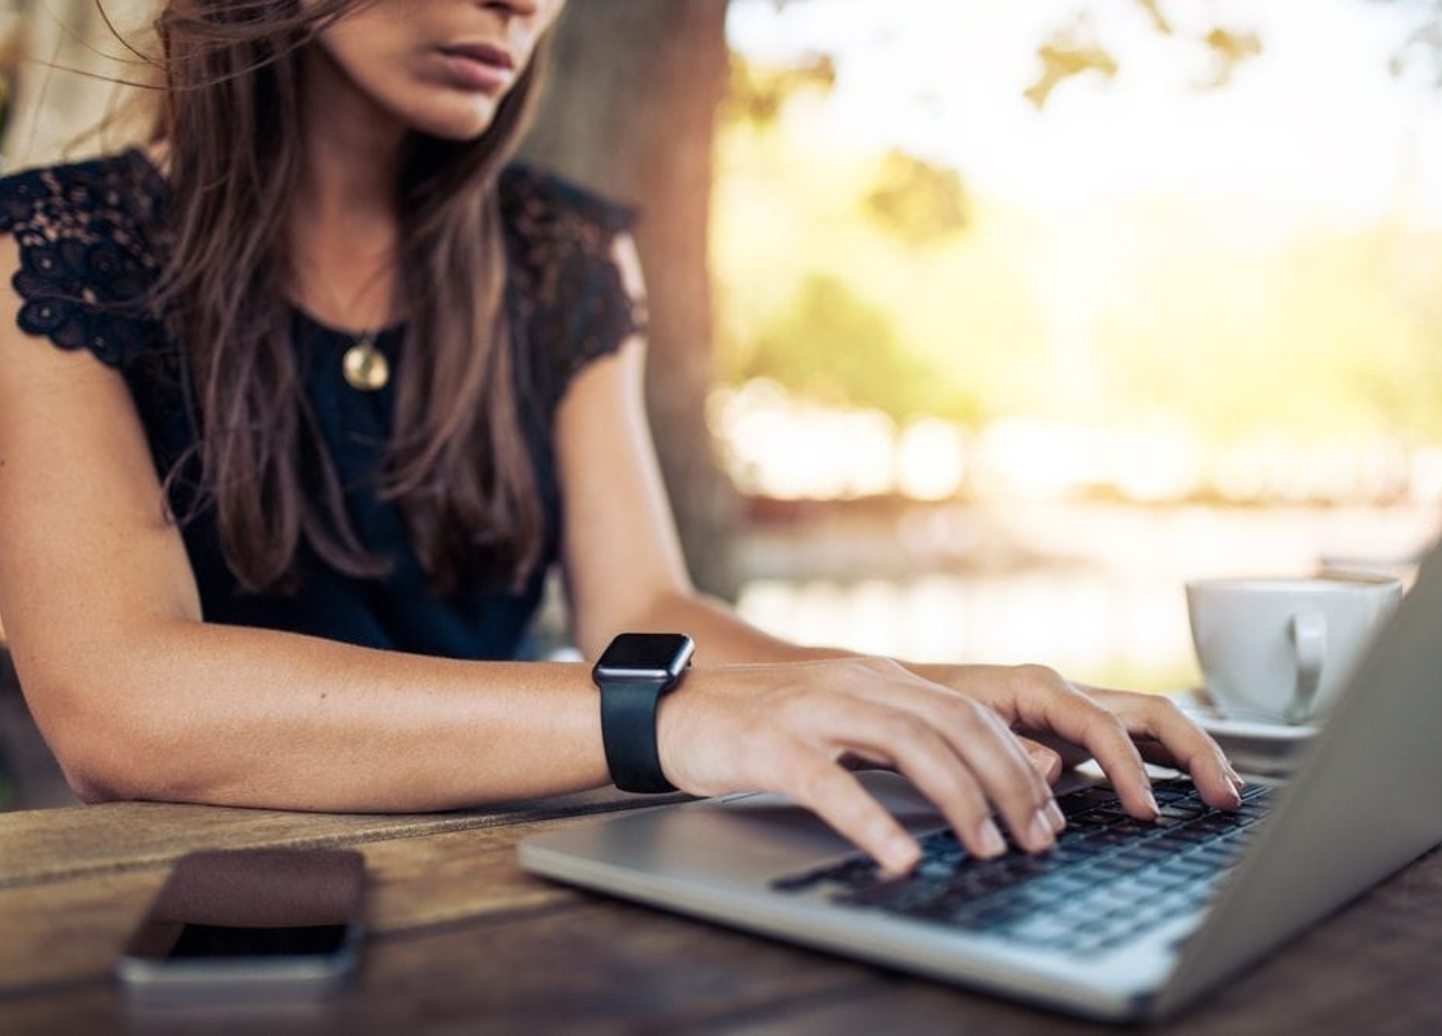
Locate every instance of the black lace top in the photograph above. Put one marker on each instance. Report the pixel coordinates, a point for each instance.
(89, 236)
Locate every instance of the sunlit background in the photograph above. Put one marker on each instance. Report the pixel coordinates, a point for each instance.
(1055, 305)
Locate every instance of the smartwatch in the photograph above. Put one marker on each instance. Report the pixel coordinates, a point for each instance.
(634, 671)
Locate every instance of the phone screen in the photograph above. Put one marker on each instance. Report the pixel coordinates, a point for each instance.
(199, 941)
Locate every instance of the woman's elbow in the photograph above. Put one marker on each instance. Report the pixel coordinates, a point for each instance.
(91, 765)
(104, 754)
(89, 788)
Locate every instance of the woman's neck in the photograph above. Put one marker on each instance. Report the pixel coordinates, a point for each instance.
(343, 223)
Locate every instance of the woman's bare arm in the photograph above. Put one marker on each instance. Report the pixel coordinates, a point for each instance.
(140, 698)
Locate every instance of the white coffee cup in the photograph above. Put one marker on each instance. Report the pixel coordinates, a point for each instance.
(1281, 650)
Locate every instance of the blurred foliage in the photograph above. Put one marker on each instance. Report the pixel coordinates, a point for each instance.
(1229, 47)
(825, 297)
(1071, 51)
(757, 93)
(880, 280)
(1076, 49)
(917, 201)
(840, 348)
(1313, 338)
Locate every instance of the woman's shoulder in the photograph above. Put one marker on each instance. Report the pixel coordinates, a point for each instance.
(537, 203)
(86, 257)
(566, 286)
(83, 197)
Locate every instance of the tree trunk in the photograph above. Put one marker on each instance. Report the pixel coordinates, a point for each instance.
(630, 111)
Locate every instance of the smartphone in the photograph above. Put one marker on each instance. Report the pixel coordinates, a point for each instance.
(249, 923)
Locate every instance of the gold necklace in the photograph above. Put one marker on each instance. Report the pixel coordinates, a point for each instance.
(364, 366)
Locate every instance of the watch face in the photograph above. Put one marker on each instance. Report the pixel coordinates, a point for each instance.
(646, 655)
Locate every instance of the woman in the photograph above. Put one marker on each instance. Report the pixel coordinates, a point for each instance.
(333, 390)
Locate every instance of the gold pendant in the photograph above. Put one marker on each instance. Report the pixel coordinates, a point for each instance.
(364, 366)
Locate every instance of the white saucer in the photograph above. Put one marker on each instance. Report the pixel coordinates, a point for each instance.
(1253, 746)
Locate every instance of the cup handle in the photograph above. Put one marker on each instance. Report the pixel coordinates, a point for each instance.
(1309, 643)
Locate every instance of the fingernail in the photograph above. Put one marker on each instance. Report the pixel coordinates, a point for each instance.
(901, 854)
(988, 835)
(1151, 801)
(1040, 834)
(1055, 815)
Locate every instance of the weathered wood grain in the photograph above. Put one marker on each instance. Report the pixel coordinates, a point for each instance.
(70, 929)
(461, 940)
(38, 845)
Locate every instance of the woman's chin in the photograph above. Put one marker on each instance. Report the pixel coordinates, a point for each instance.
(458, 125)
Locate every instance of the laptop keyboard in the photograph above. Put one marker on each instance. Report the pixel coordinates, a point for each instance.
(1108, 879)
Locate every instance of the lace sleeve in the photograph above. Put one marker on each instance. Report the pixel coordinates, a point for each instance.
(567, 294)
(86, 265)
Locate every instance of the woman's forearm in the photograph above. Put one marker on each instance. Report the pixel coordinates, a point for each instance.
(189, 711)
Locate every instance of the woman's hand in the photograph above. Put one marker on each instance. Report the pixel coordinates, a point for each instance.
(793, 727)
(1062, 724)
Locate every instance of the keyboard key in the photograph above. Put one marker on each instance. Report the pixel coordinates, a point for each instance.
(1179, 811)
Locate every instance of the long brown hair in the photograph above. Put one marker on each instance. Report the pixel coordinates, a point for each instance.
(457, 463)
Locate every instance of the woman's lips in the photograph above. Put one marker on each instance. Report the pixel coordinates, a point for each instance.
(478, 66)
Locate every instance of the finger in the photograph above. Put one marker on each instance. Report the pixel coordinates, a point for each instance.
(1007, 775)
(998, 763)
(1069, 755)
(838, 798)
(1222, 793)
(1049, 764)
(1157, 718)
(1179, 742)
(1045, 759)
(1049, 703)
(974, 735)
(910, 745)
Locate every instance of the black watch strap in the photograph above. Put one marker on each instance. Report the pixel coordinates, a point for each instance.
(628, 730)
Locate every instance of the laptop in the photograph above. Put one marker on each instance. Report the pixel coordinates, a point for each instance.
(1123, 920)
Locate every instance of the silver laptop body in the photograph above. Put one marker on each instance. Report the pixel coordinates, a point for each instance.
(1366, 801)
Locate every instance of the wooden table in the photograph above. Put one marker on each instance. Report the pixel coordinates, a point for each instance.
(462, 941)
